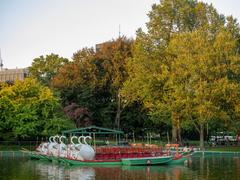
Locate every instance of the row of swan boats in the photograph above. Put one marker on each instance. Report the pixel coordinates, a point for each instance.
(81, 153)
(57, 148)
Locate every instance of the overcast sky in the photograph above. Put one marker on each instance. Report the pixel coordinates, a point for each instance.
(30, 28)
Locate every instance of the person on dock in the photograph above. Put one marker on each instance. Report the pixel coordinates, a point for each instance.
(238, 139)
(226, 141)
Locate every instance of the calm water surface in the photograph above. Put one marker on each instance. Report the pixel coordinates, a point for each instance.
(217, 167)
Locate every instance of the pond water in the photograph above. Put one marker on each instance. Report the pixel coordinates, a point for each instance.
(214, 167)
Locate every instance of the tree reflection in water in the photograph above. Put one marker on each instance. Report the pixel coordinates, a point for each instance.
(207, 167)
(108, 173)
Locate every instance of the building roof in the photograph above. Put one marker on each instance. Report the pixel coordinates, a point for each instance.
(91, 129)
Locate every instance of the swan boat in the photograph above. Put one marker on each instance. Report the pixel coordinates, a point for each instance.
(83, 154)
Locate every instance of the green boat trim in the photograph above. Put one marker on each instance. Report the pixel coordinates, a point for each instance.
(146, 161)
(91, 163)
(36, 155)
(141, 161)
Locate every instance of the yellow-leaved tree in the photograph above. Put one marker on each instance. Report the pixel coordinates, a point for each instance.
(204, 77)
(29, 109)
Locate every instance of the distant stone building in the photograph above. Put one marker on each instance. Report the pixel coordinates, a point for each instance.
(10, 75)
(99, 46)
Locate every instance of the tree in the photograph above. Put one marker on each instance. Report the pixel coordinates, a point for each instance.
(6, 109)
(44, 68)
(113, 54)
(82, 71)
(199, 77)
(148, 69)
(94, 79)
(28, 108)
(80, 116)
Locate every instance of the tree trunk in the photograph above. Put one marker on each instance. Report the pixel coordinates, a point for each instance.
(168, 141)
(118, 114)
(174, 134)
(201, 136)
(117, 119)
(179, 136)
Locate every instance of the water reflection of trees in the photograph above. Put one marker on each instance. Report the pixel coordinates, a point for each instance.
(236, 160)
(213, 167)
(109, 173)
(16, 168)
(143, 172)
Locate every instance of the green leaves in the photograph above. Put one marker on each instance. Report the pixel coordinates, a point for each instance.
(185, 68)
(56, 125)
(183, 71)
(26, 108)
(93, 79)
(44, 68)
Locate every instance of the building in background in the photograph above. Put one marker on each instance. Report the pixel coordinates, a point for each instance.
(10, 75)
(100, 46)
(1, 61)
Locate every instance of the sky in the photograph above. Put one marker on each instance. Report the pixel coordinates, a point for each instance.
(31, 28)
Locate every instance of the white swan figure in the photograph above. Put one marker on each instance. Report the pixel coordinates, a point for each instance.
(86, 151)
(53, 146)
(73, 137)
(74, 150)
(39, 148)
(50, 139)
(72, 145)
(78, 146)
(60, 139)
(43, 147)
(62, 147)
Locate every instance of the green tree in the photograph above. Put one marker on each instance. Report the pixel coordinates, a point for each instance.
(93, 79)
(113, 55)
(149, 69)
(28, 110)
(44, 68)
(199, 77)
